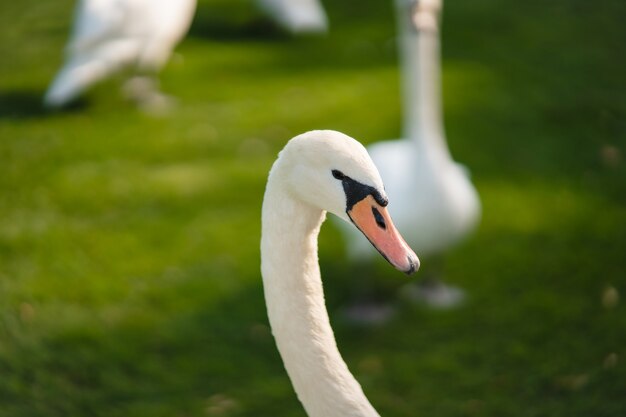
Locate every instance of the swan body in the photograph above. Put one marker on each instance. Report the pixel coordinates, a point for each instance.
(297, 16)
(316, 172)
(435, 203)
(109, 35)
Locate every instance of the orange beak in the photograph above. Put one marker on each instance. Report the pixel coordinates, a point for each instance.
(374, 222)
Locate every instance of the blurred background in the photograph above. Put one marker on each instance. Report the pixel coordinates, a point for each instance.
(129, 241)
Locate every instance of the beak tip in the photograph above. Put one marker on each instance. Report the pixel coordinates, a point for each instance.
(414, 264)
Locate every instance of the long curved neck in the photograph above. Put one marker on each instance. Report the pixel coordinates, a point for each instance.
(296, 308)
(421, 68)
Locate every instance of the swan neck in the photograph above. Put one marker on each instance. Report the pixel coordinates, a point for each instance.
(420, 74)
(297, 311)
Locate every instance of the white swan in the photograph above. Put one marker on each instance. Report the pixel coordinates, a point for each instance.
(297, 16)
(109, 35)
(435, 203)
(316, 172)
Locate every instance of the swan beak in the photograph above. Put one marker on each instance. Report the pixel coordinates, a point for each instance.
(374, 222)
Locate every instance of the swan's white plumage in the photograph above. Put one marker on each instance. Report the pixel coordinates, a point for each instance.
(109, 35)
(433, 200)
(297, 16)
(300, 189)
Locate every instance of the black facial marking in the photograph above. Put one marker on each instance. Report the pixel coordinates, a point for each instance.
(356, 191)
(338, 174)
(380, 221)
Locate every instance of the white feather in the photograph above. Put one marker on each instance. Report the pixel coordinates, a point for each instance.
(297, 16)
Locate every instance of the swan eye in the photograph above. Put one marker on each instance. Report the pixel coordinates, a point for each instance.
(338, 174)
(380, 221)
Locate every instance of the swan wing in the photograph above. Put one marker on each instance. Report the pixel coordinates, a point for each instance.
(96, 22)
(98, 47)
(165, 22)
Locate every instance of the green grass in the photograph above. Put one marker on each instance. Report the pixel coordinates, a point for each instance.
(129, 261)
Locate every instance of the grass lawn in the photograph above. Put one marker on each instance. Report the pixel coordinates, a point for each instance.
(129, 244)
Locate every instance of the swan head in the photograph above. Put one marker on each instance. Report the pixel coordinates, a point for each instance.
(333, 172)
(423, 14)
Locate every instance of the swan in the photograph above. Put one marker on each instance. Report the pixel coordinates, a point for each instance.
(435, 203)
(109, 35)
(297, 16)
(316, 172)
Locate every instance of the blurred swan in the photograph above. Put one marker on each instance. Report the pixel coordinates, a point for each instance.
(434, 204)
(109, 35)
(297, 16)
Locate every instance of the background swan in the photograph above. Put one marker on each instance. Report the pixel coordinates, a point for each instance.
(109, 35)
(435, 203)
(316, 172)
(297, 16)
